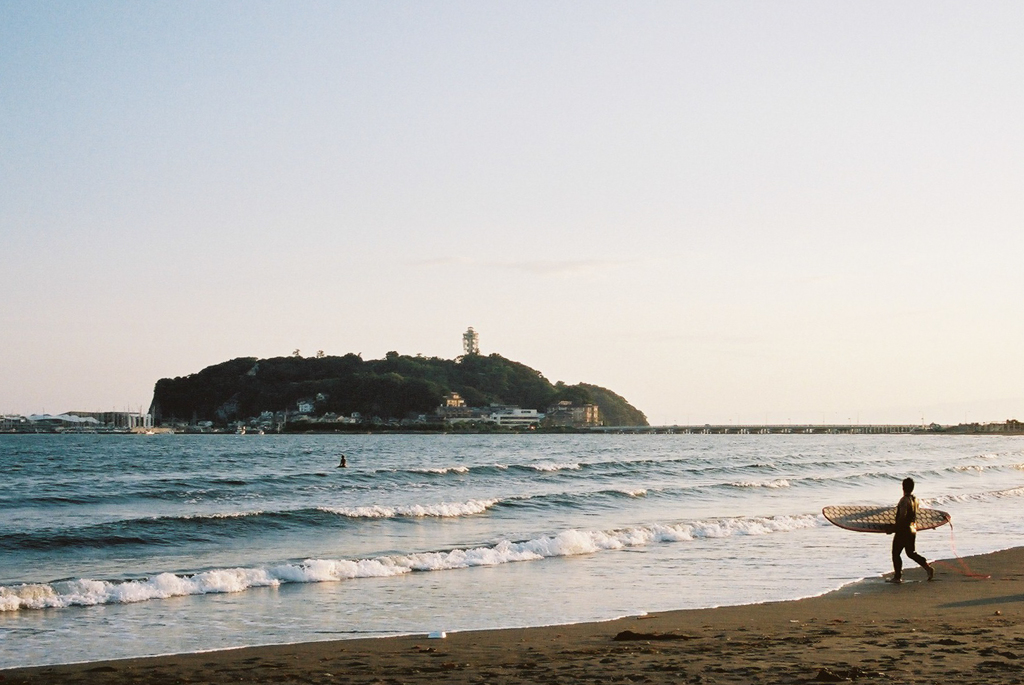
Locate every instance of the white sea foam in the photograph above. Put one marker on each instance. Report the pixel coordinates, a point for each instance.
(224, 515)
(86, 592)
(550, 466)
(439, 510)
(777, 483)
(442, 470)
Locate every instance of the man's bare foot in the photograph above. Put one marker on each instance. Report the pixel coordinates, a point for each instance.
(931, 572)
(894, 579)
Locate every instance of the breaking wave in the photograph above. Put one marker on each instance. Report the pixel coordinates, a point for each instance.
(549, 466)
(777, 483)
(88, 592)
(976, 496)
(442, 470)
(440, 510)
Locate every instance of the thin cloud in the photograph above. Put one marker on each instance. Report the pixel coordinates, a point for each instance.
(442, 262)
(539, 267)
(560, 267)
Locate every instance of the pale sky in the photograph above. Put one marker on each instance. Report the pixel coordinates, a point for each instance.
(724, 211)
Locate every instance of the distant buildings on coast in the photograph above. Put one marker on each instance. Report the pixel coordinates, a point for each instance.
(452, 413)
(77, 422)
(564, 414)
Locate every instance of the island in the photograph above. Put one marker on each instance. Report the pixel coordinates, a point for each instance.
(346, 393)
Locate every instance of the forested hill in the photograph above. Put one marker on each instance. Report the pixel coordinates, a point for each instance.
(394, 387)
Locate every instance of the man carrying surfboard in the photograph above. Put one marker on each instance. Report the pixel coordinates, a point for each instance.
(905, 533)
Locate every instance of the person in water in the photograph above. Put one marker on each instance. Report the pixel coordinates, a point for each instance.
(905, 533)
(342, 464)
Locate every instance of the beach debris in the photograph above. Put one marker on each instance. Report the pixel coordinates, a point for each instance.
(437, 635)
(827, 675)
(629, 635)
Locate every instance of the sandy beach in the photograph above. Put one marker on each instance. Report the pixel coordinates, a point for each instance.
(959, 628)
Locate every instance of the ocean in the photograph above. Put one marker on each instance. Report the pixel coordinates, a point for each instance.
(121, 546)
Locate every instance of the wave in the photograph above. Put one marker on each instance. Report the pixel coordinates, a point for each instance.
(154, 530)
(568, 543)
(218, 515)
(777, 483)
(975, 496)
(967, 468)
(440, 510)
(463, 469)
(442, 470)
(999, 455)
(551, 466)
(173, 489)
(184, 529)
(206, 527)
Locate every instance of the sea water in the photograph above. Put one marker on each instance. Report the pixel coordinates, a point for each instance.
(118, 546)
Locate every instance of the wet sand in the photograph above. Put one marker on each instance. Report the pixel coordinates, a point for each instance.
(957, 629)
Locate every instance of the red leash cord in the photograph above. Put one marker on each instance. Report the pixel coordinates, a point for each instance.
(963, 564)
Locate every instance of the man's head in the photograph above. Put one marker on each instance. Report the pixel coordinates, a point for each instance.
(908, 486)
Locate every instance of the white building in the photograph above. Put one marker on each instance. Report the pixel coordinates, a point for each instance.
(12, 421)
(514, 416)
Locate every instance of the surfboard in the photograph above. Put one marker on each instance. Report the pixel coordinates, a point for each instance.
(880, 519)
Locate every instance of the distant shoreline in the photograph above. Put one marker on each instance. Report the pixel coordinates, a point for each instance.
(360, 429)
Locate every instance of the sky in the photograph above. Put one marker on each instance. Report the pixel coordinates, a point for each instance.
(727, 212)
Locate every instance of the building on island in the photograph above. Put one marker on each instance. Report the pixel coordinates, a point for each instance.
(455, 410)
(454, 407)
(514, 416)
(567, 414)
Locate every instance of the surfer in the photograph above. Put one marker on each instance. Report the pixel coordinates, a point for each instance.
(342, 464)
(905, 533)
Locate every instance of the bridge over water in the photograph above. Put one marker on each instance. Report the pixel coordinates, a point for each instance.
(765, 429)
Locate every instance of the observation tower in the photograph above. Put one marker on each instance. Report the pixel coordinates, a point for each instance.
(470, 342)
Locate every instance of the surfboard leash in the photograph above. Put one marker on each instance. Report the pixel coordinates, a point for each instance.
(964, 568)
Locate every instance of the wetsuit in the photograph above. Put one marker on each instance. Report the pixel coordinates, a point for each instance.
(905, 537)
